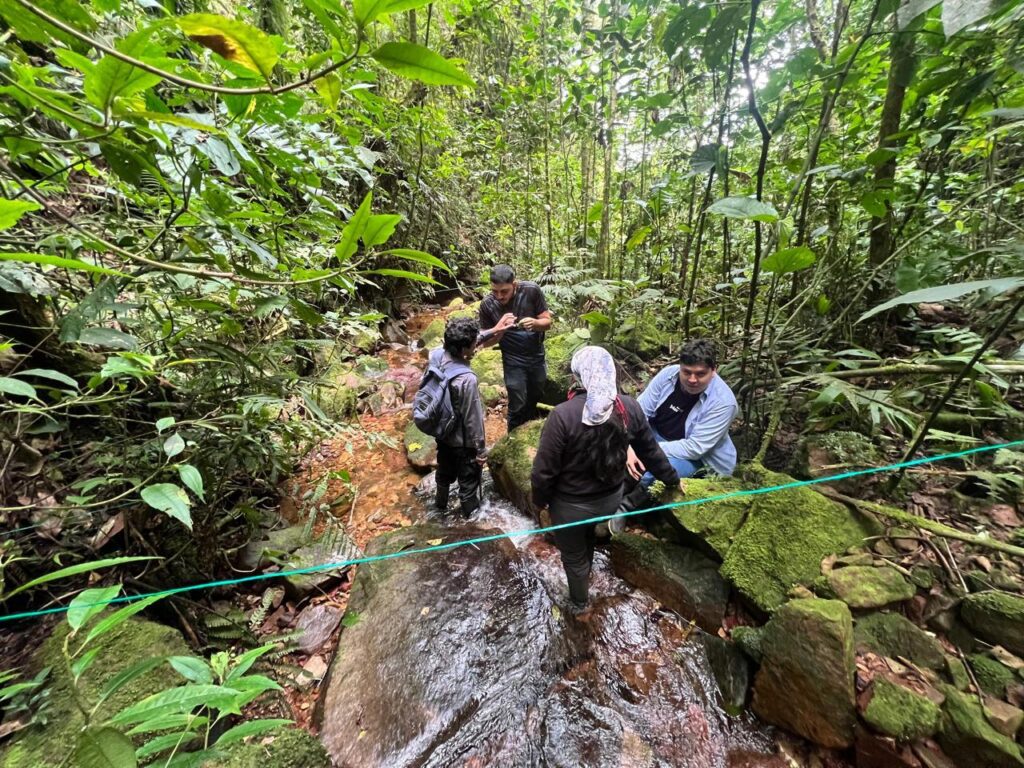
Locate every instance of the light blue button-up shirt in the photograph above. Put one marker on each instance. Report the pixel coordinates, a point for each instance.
(707, 423)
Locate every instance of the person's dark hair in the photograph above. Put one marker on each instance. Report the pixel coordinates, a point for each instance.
(460, 334)
(502, 274)
(605, 445)
(699, 352)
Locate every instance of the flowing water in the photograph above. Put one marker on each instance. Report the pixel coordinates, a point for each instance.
(466, 657)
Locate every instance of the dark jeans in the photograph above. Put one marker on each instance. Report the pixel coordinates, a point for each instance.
(576, 544)
(524, 386)
(458, 464)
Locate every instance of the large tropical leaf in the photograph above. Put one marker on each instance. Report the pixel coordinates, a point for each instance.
(59, 261)
(233, 40)
(104, 748)
(419, 63)
(171, 499)
(942, 293)
(789, 260)
(112, 77)
(744, 208)
(12, 210)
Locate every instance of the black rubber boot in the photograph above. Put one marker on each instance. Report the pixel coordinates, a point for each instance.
(441, 497)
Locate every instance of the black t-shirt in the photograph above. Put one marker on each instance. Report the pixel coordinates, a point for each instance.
(670, 419)
(519, 347)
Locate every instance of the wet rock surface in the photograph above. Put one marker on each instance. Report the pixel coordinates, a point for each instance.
(466, 657)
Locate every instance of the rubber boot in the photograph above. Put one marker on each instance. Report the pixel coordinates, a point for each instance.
(441, 497)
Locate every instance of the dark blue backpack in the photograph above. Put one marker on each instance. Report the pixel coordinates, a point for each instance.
(432, 408)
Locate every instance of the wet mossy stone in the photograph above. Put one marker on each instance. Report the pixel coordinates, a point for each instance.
(123, 647)
(864, 586)
(895, 636)
(643, 336)
(805, 683)
(283, 748)
(471, 310)
(769, 541)
(420, 448)
(967, 737)
(433, 334)
(558, 352)
(679, 578)
(486, 364)
(731, 669)
(899, 712)
(511, 462)
(992, 676)
(748, 640)
(997, 617)
(835, 447)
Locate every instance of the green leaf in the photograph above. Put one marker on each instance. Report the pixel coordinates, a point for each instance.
(167, 722)
(107, 337)
(366, 11)
(9, 386)
(329, 89)
(191, 477)
(171, 499)
(397, 6)
(47, 373)
(874, 204)
(59, 261)
(744, 208)
(164, 423)
(418, 63)
(88, 603)
(174, 445)
(125, 676)
(180, 740)
(788, 260)
(12, 210)
(184, 698)
(943, 293)
(113, 77)
(104, 748)
(403, 274)
(249, 728)
(119, 617)
(354, 230)
(192, 669)
(80, 665)
(246, 660)
(232, 40)
(410, 254)
(74, 570)
(379, 228)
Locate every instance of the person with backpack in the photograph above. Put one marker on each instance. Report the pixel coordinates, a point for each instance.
(581, 461)
(448, 407)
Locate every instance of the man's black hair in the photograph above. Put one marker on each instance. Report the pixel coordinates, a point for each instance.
(699, 352)
(460, 334)
(501, 274)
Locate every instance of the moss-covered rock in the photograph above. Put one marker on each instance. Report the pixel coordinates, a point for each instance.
(770, 541)
(992, 676)
(486, 364)
(893, 635)
(642, 336)
(433, 334)
(420, 448)
(471, 310)
(997, 617)
(511, 461)
(284, 748)
(864, 586)
(899, 712)
(682, 579)
(559, 351)
(839, 447)
(967, 737)
(748, 640)
(122, 647)
(805, 683)
(344, 383)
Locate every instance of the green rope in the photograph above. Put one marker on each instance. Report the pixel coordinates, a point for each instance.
(513, 534)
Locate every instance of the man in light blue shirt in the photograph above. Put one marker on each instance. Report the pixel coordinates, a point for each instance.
(690, 409)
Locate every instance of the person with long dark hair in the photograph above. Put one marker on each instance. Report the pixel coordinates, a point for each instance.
(581, 461)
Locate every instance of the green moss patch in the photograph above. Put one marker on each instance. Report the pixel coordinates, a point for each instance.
(899, 712)
(967, 737)
(284, 748)
(997, 617)
(864, 586)
(893, 635)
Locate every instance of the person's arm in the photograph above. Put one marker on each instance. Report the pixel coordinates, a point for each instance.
(492, 335)
(707, 432)
(537, 324)
(547, 464)
(647, 449)
(471, 411)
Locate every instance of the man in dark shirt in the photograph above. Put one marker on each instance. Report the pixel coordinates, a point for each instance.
(515, 316)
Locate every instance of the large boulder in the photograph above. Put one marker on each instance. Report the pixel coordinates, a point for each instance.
(769, 542)
(864, 586)
(641, 335)
(433, 334)
(997, 617)
(490, 375)
(511, 461)
(805, 683)
(833, 452)
(121, 648)
(967, 736)
(559, 350)
(681, 579)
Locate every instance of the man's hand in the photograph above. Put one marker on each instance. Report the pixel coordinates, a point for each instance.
(507, 321)
(528, 323)
(634, 466)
